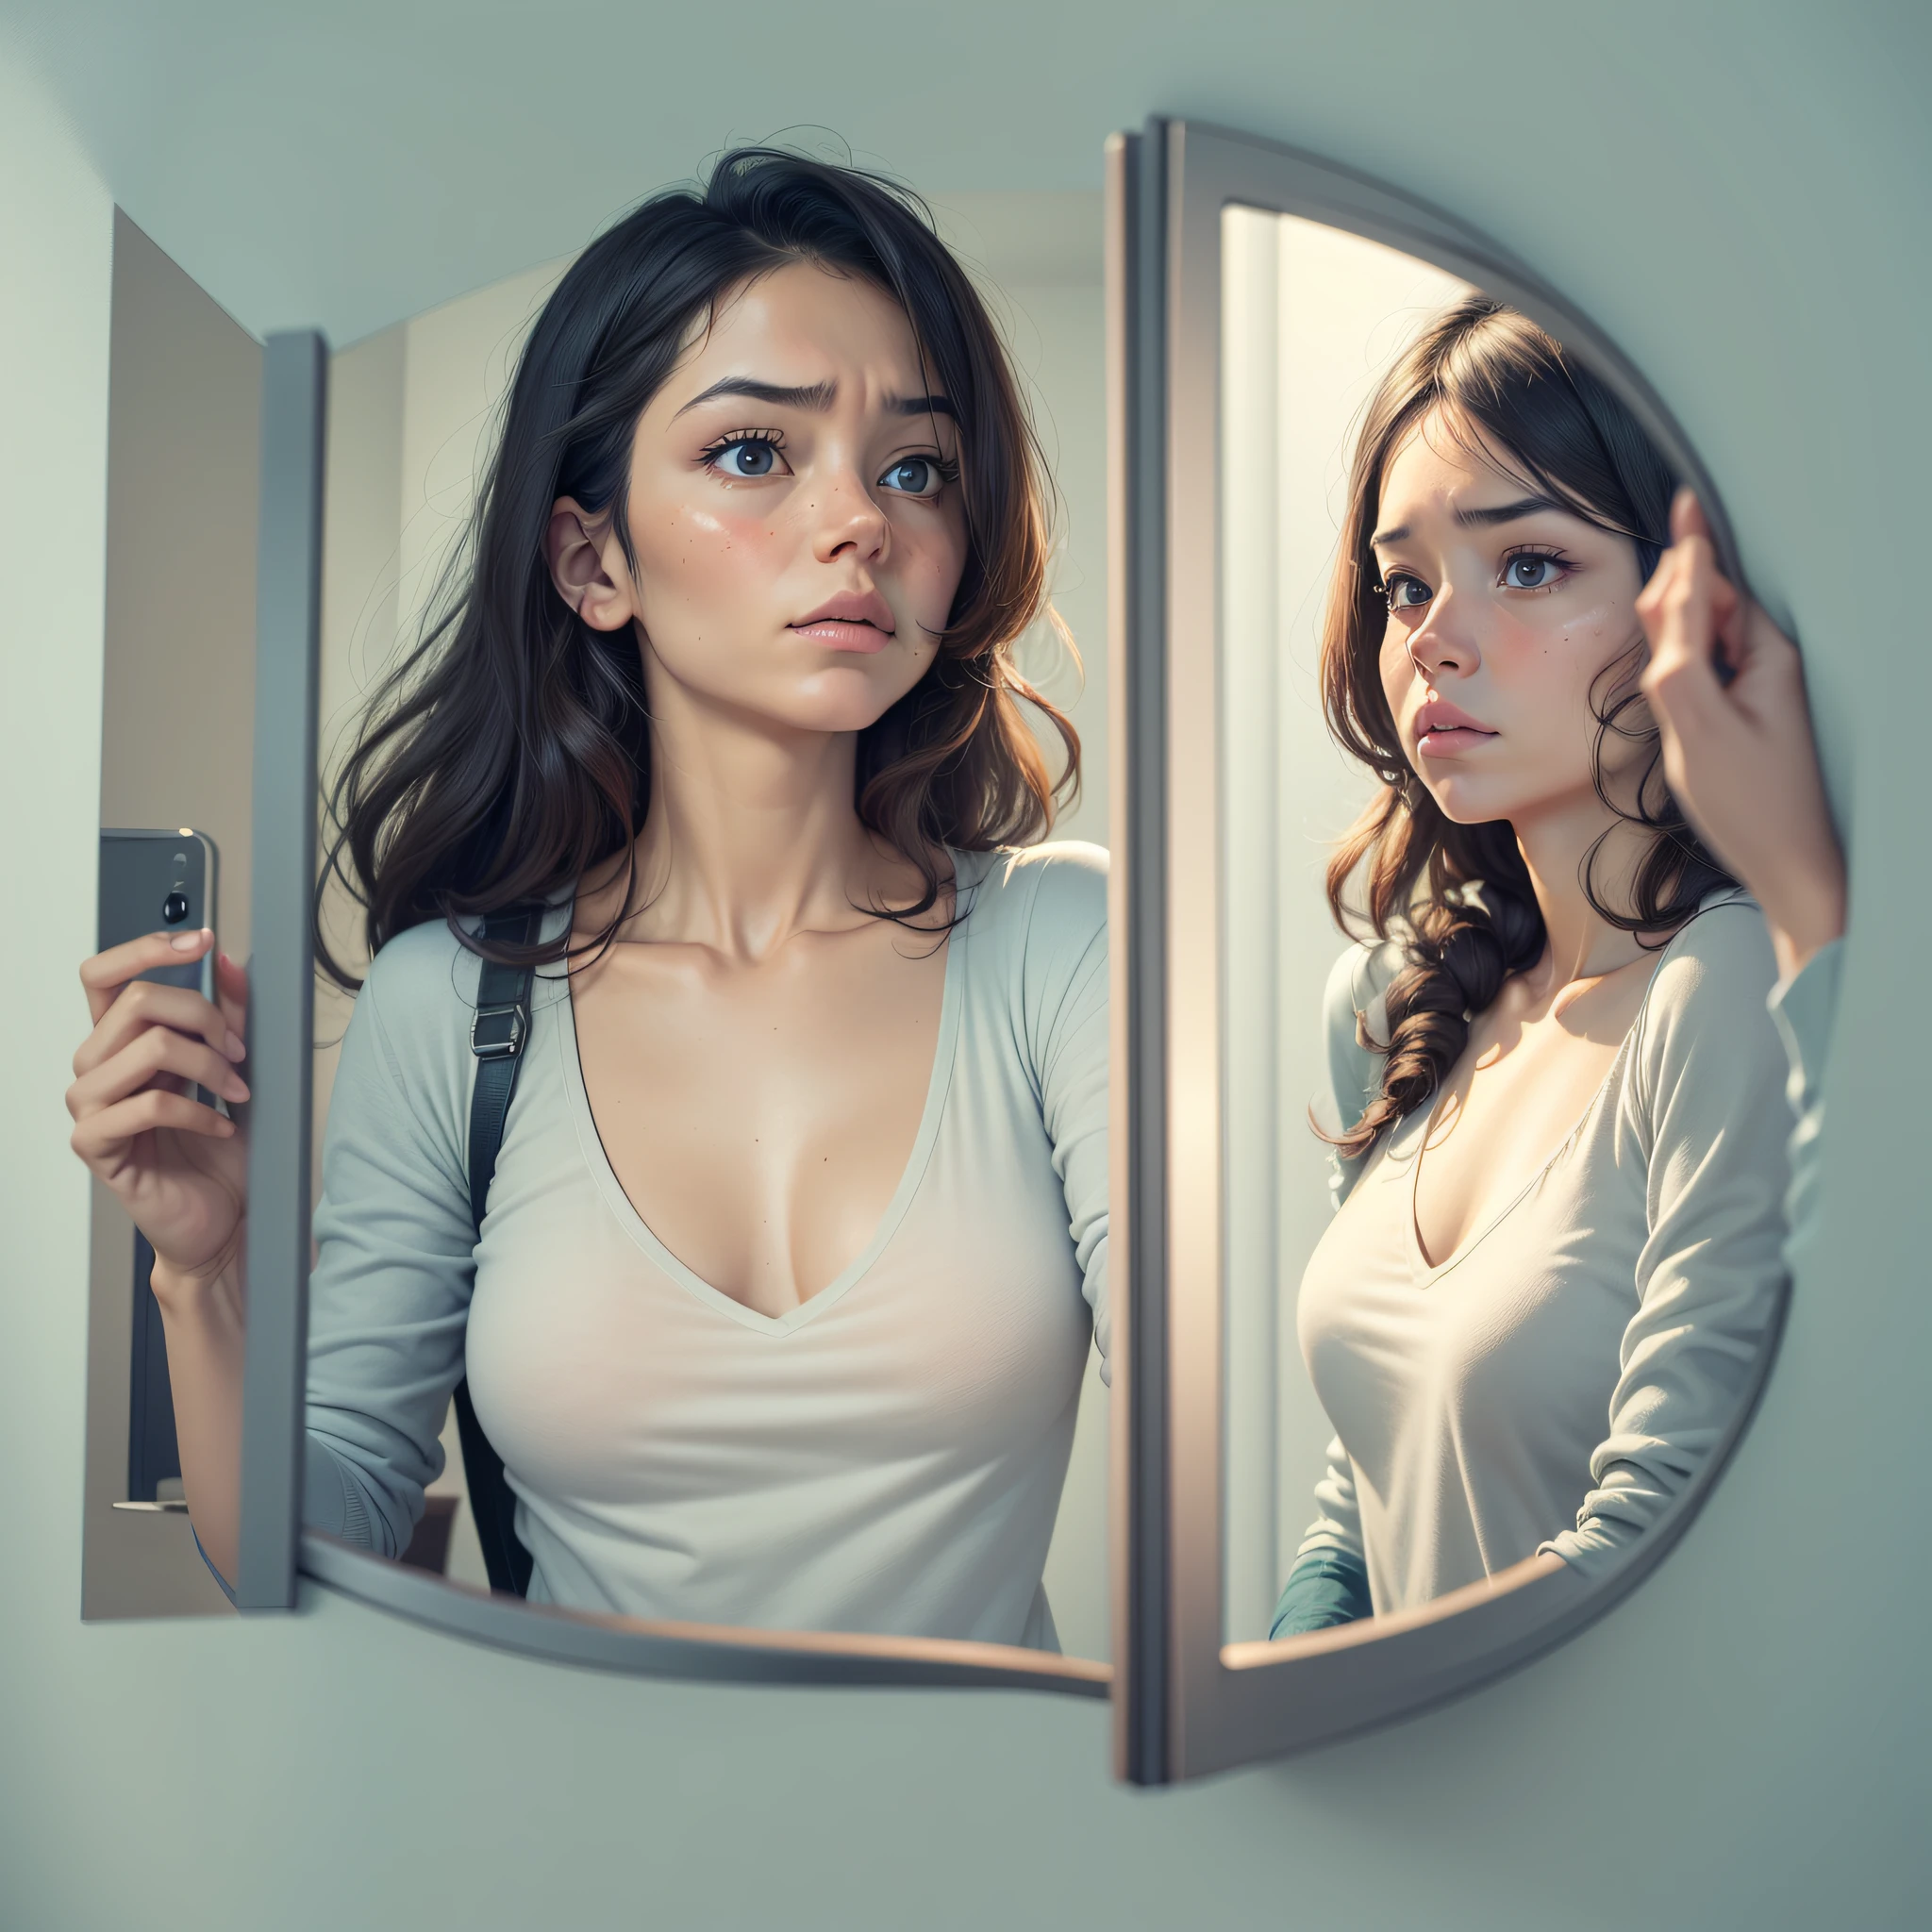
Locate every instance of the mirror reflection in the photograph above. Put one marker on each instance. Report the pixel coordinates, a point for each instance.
(1491, 1315)
(159, 1082)
(712, 1207)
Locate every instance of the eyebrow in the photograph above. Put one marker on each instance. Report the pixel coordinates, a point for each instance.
(816, 396)
(1483, 519)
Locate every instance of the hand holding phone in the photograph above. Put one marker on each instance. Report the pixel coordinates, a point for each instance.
(177, 1164)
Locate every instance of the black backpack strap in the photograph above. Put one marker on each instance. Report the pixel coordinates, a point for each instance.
(499, 1031)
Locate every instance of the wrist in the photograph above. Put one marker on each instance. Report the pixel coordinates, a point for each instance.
(190, 1291)
(1802, 925)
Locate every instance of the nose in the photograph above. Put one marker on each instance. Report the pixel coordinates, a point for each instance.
(1445, 644)
(849, 522)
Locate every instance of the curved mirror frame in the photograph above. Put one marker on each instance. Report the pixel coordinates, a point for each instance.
(1189, 1703)
(276, 1548)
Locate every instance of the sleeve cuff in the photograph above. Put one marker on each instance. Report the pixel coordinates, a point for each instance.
(221, 1581)
(1325, 1588)
(1802, 1008)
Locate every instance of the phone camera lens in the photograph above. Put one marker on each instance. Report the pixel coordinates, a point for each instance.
(174, 909)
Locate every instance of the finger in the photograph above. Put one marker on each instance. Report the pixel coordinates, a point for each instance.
(146, 1059)
(1674, 607)
(1680, 681)
(102, 1138)
(106, 973)
(231, 994)
(1650, 598)
(1686, 516)
(144, 1005)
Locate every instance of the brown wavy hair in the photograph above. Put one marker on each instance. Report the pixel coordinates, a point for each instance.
(1459, 898)
(510, 753)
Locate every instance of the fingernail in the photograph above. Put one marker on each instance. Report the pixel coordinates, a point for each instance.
(235, 1046)
(185, 942)
(237, 1088)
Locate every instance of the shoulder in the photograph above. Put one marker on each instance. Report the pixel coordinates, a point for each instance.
(1354, 1003)
(419, 974)
(1049, 896)
(1355, 1028)
(1720, 958)
(1707, 1005)
(426, 977)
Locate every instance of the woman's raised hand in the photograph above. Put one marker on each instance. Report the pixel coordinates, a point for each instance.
(1739, 756)
(178, 1167)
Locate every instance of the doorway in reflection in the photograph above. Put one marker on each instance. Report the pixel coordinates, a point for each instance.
(1313, 318)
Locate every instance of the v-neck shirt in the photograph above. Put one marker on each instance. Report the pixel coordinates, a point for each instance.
(887, 1457)
(1555, 1381)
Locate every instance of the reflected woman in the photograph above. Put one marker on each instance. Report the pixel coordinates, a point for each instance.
(779, 1308)
(1556, 1095)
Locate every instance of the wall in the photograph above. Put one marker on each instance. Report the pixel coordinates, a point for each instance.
(1737, 193)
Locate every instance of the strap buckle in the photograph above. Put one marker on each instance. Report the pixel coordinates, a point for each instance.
(496, 1033)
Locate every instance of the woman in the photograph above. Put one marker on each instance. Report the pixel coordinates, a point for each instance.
(1556, 1105)
(798, 1230)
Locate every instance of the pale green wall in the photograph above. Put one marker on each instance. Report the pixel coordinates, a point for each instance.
(1739, 195)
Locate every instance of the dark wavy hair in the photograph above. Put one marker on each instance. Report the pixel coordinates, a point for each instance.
(509, 752)
(1458, 897)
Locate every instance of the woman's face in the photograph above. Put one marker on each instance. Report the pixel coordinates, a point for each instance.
(1504, 609)
(793, 508)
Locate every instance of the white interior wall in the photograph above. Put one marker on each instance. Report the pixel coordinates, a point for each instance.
(1732, 192)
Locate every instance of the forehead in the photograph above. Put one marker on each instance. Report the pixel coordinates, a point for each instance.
(803, 324)
(1442, 462)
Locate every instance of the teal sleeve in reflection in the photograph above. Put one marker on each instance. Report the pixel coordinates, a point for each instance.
(225, 1588)
(1324, 1588)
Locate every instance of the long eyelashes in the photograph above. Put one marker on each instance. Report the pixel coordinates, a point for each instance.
(715, 452)
(1395, 582)
(764, 457)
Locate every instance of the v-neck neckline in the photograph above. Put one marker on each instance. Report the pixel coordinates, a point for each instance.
(939, 1083)
(1426, 1273)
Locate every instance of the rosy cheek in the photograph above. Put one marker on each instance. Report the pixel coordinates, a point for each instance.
(699, 551)
(1398, 670)
(931, 562)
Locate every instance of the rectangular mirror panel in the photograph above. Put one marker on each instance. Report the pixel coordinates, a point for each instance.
(1552, 1289)
(414, 415)
(177, 730)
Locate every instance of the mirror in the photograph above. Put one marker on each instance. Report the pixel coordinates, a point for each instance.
(177, 825)
(876, 1479)
(1473, 1153)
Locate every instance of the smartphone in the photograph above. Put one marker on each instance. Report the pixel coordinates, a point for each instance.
(156, 881)
(159, 882)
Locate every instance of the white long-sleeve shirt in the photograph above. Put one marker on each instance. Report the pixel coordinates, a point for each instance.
(1555, 1382)
(886, 1457)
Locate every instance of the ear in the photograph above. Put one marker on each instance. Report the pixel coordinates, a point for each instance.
(587, 566)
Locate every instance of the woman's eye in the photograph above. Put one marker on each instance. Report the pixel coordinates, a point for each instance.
(748, 457)
(914, 476)
(1405, 592)
(1530, 572)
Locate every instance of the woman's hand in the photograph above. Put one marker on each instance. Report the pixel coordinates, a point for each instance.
(178, 1167)
(1739, 756)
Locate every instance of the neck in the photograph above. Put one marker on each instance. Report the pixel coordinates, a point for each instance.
(1583, 945)
(751, 835)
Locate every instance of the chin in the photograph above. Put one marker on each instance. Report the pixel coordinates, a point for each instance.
(841, 701)
(837, 712)
(1463, 803)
